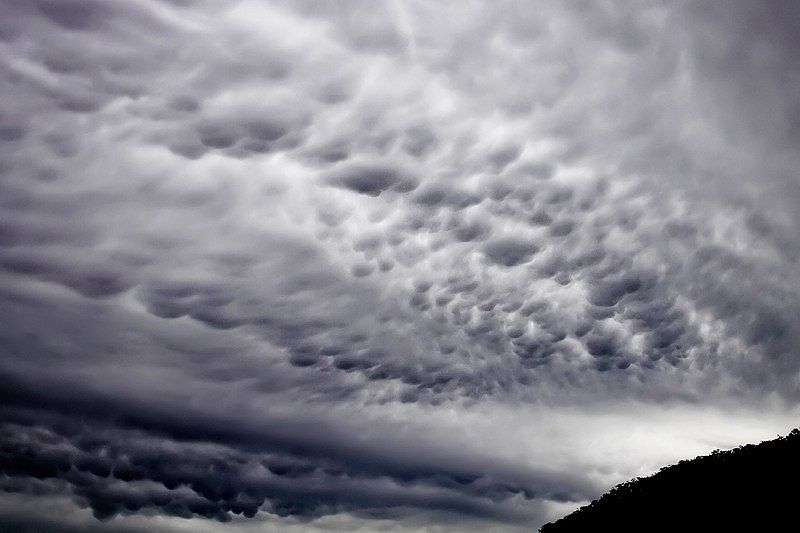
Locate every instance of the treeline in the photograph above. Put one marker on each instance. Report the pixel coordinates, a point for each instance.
(755, 487)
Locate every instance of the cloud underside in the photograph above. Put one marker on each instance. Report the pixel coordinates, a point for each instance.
(262, 260)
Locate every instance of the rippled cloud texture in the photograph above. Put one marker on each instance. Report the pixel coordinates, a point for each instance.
(387, 266)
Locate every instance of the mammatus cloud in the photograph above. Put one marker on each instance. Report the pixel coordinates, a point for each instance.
(400, 265)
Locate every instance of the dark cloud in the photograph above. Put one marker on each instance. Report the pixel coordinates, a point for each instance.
(385, 265)
(297, 472)
(74, 15)
(371, 179)
(510, 251)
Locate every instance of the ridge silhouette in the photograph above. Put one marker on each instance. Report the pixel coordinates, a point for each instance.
(755, 487)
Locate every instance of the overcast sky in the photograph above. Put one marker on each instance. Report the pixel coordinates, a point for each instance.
(413, 265)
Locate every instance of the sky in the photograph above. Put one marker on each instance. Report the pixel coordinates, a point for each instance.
(387, 266)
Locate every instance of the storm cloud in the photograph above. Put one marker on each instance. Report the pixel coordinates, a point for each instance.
(402, 265)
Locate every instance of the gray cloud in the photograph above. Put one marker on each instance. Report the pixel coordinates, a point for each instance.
(268, 263)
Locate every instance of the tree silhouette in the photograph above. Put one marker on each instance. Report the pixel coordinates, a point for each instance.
(750, 488)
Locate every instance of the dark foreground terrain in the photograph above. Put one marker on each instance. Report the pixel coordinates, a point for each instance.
(751, 488)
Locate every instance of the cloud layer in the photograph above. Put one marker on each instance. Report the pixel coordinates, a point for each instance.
(380, 264)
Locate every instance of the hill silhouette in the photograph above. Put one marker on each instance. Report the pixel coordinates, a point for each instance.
(755, 487)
